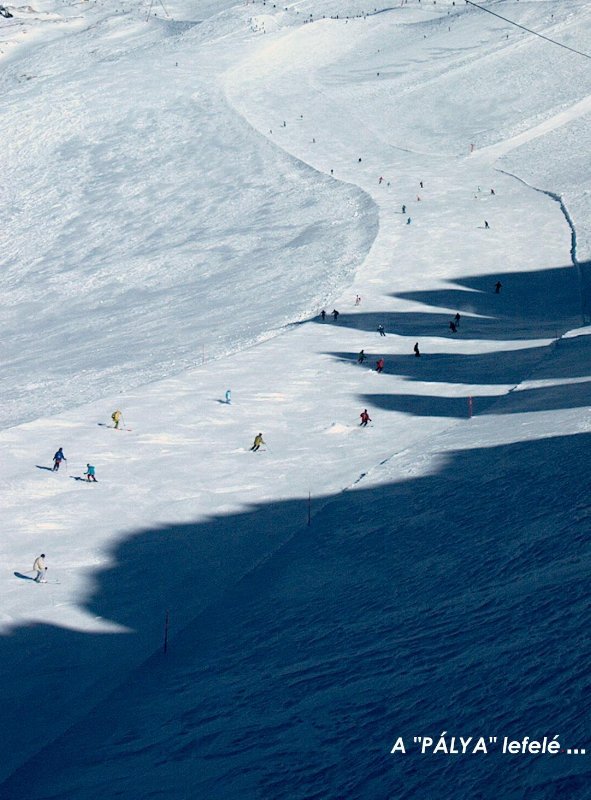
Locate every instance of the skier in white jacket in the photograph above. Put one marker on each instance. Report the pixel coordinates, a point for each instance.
(39, 567)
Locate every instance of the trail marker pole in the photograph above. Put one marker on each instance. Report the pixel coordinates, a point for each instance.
(166, 632)
(470, 407)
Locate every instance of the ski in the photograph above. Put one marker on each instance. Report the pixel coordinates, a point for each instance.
(106, 425)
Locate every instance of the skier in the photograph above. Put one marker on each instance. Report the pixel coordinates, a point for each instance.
(404, 209)
(323, 314)
(258, 441)
(492, 191)
(486, 225)
(381, 330)
(228, 396)
(416, 350)
(335, 314)
(408, 221)
(380, 365)
(40, 568)
(90, 476)
(365, 418)
(421, 184)
(381, 180)
(116, 417)
(58, 458)
(452, 326)
(357, 300)
(498, 285)
(361, 357)
(457, 319)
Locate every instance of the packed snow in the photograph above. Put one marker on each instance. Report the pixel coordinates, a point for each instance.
(186, 185)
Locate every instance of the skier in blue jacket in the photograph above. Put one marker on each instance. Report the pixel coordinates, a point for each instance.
(58, 458)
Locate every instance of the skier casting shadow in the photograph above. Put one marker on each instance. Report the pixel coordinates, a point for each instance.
(58, 458)
(258, 441)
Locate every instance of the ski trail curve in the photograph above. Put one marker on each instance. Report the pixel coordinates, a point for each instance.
(495, 151)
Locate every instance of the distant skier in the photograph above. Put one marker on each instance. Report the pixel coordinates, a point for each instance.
(453, 327)
(417, 352)
(90, 476)
(258, 441)
(492, 191)
(116, 417)
(486, 225)
(365, 418)
(228, 396)
(58, 458)
(457, 319)
(335, 314)
(381, 180)
(404, 209)
(357, 300)
(40, 568)
(498, 286)
(421, 184)
(361, 357)
(408, 221)
(381, 330)
(323, 314)
(380, 365)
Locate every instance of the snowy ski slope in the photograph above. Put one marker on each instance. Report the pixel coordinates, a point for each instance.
(182, 196)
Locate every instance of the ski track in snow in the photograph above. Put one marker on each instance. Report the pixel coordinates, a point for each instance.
(441, 584)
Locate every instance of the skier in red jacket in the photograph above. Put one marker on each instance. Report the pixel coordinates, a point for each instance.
(365, 418)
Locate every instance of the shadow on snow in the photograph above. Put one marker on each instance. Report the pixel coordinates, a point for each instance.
(454, 601)
(545, 398)
(531, 305)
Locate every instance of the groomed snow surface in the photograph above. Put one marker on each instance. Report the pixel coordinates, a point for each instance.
(184, 187)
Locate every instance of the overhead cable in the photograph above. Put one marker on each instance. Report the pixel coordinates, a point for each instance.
(529, 30)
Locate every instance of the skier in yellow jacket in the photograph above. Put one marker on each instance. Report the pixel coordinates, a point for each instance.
(116, 417)
(258, 441)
